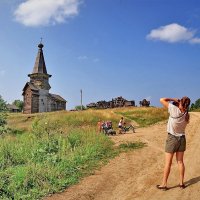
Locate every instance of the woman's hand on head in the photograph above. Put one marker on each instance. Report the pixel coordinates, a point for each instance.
(164, 102)
(176, 100)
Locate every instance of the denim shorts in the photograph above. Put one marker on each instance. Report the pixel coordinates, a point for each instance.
(175, 143)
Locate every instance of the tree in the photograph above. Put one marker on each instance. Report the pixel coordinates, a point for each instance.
(192, 107)
(3, 115)
(2, 104)
(80, 107)
(195, 105)
(19, 104)
(3, 120)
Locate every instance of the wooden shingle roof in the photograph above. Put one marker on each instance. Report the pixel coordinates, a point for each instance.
(57, 97)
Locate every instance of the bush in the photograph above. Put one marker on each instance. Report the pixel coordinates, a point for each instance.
(3, 119)
(2, 104)
(3, 122)
(80, 107)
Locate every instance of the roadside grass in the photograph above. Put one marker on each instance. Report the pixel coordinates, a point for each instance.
(131, 145)
(46, 153)
(32, 166)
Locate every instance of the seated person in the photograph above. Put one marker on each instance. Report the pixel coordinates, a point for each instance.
(107, 128)
(120, 124)
(99, 126)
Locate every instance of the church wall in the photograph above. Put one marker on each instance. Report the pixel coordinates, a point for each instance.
(55, 105)
(43, 101)
(27, 101)
(35, 103)
(61, 105)
(51, 104)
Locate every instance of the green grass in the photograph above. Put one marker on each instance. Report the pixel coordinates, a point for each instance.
(131, 145)
(46, 153)
(32, 166)
(145, 116)
(65, 120)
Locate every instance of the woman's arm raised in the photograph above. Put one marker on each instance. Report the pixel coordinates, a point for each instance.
(165, 101)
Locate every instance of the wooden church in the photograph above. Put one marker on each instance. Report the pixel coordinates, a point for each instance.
(36, 92)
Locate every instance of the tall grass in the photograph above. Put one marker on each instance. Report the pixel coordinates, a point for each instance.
(32, 166)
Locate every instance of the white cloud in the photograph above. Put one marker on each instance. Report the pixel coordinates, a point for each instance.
(195, 40)
(171, 33)
(45, 12)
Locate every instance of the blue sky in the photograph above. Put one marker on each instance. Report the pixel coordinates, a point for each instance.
(108, 48)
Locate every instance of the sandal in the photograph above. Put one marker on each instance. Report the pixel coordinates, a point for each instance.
(182, 186)
(164, 188)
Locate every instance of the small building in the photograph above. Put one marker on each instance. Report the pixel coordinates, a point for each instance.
(12, 108)
(36, 92)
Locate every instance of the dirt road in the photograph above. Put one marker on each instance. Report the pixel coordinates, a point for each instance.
(134, 175)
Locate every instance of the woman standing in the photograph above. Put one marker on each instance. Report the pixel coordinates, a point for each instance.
(176, 141)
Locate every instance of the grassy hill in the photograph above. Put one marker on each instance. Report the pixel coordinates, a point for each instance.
(140, 116)
(45, 153)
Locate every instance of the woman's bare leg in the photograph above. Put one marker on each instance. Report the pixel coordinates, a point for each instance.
(168, 163)
(181, 166)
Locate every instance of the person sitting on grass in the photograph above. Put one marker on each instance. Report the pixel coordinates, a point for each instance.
(99, 126)
(121, 121)
(107, 128)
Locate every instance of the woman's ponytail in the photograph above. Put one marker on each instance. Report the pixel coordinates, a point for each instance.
(185, 102)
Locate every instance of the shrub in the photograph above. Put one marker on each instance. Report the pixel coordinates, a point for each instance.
(3, 119)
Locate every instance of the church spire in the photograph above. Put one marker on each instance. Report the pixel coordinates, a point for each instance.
(39, 77)
(40, 66)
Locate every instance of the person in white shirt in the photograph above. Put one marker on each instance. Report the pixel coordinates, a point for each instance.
(176, 141)
(121, 121)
